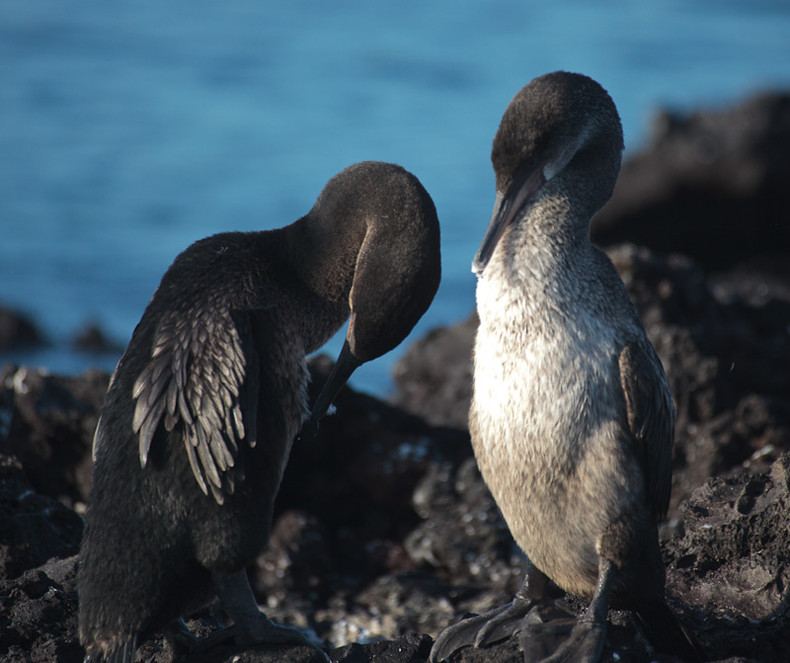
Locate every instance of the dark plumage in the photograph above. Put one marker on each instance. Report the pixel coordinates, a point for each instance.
(572, 417)
(198, 422)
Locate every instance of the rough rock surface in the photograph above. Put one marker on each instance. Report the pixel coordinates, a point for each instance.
(434, 377)
(385, 532)
(711, 184)
(47, 422)
(33, 527)
(729, 561)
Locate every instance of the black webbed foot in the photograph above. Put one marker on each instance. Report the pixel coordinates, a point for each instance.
(252, 627)
(579, 640)
(228, 640)
(480, 630)
(541, 629)
(530, 606)
(563, 640)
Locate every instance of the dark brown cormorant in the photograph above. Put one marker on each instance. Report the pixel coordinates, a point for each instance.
(201, 411)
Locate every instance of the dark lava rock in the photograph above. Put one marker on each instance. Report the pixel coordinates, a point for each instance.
(481, 551)
(411, 648)
(343, 512)
(38, 615)
(47, 422)
(731, 563)
(17, 330)
(434, 376)
(367, 448)
(727, 360)
(711, 184)
(33, 527)
(228, 653)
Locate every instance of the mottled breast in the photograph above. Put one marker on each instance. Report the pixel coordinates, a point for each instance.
(547, 421)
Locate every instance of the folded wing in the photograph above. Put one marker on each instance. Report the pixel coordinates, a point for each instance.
(197, 380)
(651, 419)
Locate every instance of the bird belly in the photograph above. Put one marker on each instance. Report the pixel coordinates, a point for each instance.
(547, 436)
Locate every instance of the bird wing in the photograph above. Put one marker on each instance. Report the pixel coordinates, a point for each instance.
(651, 419)
(197, 378)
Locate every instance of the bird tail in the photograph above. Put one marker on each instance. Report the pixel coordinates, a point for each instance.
(123, 653)
(667, 635)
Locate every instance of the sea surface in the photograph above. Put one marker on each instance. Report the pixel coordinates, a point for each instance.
(129, 130)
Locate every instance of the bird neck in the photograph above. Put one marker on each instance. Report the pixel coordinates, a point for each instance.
(550, 237)
(322, 264)
(324, 258)
(538, 277)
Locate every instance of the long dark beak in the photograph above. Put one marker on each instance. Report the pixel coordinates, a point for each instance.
(345, 365)
(506, 209)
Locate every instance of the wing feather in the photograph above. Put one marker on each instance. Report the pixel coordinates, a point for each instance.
(651, 419)
(148, 429)
(238, 424)
(195, 464)
(202, 441)
(196, 381)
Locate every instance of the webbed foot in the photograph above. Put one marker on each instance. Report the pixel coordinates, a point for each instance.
(276, 634)
(532, 605)
(579, 640)
(251, 626)
(562, 640)
(228, 640)
(480, 630)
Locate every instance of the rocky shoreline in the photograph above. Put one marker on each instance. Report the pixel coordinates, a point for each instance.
(385, 532)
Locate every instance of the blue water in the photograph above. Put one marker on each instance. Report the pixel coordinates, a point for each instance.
(127, 131)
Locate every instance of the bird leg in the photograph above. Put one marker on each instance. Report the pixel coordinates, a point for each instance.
(573, 641)
(529, 605)
(251, 626)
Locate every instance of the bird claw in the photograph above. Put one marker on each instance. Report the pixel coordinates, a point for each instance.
(196, 649)
(278, 634)
(563, 641)
(481, 630)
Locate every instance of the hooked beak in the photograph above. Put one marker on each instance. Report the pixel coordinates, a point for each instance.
(506, 209)
(345, 365)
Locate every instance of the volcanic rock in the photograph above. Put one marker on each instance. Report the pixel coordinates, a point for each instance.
(33, 527)
(47, 422)
(711, 184)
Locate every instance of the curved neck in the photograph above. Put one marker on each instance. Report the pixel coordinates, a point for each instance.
(324, 258)
(323, 262)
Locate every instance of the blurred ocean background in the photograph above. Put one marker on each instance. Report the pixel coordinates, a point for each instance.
(130, 130)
